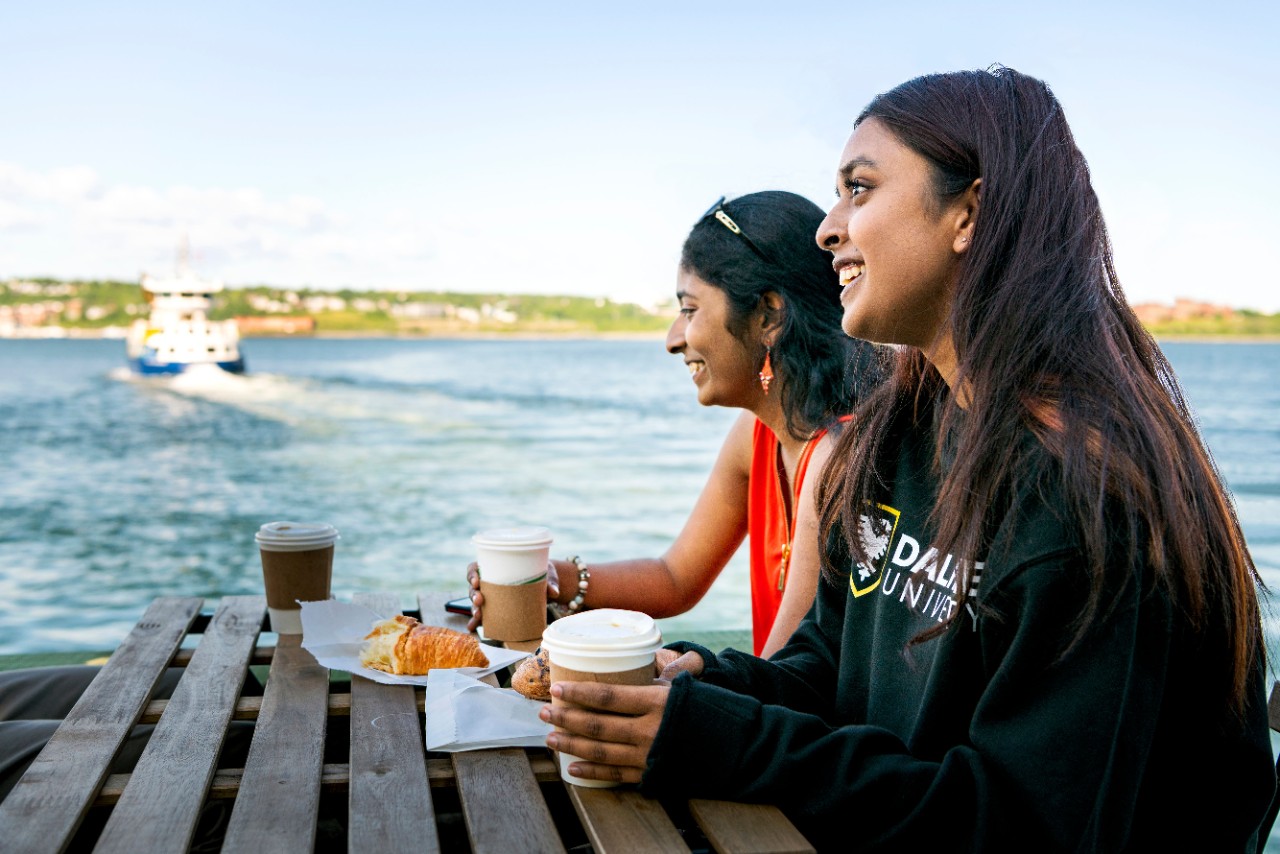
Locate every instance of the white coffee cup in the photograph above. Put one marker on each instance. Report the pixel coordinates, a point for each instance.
(604, 645)
(513, 579)
(512, 555)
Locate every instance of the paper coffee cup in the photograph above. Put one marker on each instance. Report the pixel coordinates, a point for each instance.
(512, 555)
(513, 578)
(604, 645)
(297, 566)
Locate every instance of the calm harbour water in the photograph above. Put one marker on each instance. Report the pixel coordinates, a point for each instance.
(117, 490)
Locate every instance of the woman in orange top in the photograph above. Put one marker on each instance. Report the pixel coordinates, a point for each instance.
(759, 328)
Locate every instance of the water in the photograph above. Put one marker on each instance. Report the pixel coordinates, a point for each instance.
(117, 490)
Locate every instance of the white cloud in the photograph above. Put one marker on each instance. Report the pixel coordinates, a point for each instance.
(567, 227)
(57, 185)
(16, 217)
(74, 224)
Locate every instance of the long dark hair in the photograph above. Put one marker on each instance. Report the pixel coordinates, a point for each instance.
(822, 371)
(1046, 342)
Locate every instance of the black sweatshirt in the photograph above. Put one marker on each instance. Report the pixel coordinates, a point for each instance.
(992, 737)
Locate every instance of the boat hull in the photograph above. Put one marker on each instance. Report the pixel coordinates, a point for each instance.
(150, 367)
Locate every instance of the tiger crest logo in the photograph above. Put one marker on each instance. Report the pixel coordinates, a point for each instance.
(875, 530)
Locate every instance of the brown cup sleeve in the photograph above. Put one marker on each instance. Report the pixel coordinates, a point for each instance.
(290, 577)
(514, 612)
(636, 676)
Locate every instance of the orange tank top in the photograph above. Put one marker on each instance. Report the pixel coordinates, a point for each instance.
(769, 526)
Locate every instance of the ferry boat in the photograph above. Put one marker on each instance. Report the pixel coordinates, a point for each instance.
(178, 335)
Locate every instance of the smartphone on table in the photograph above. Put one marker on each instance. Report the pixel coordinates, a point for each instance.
(461, 605)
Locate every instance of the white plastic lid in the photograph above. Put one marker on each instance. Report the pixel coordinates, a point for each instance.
(522, 537)
(603, 632)
(295, 536)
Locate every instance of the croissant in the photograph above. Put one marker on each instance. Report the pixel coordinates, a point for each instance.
(533, 677)
(406, 647)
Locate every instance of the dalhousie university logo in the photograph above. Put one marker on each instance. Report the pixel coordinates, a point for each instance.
(876, 528)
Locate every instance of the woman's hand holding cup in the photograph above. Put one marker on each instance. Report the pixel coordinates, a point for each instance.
(477, 598)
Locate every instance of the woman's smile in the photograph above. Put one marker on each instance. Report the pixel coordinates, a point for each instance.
(850, 273)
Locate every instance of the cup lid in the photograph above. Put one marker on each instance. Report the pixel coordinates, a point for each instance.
(521, 535)
(295, 536)
(605, 631)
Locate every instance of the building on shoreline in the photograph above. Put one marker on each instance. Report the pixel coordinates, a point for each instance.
(276, 324)
(1182, 310)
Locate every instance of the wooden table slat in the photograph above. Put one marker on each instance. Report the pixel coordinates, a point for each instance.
(279, 800)
(249, 708)
(261, 655)
(334, 777)
(389, 801)
(158, 810)
(734, 828)
(503, 807)
(44, 809)
(623, 820)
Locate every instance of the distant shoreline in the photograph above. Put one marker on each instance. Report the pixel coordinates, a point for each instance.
(478, 336)
(51, 308)
(1218, 339)
(74, 333)
(80, 333)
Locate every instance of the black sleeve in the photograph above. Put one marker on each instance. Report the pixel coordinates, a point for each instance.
(1057, 745)
(800, 676)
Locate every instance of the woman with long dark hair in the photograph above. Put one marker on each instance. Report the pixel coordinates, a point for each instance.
(1038, 627)
(759, 328)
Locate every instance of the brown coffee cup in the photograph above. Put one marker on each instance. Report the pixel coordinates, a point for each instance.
(297, 566)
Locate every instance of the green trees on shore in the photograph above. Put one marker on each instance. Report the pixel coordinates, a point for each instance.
(107, 303)
(99, 304)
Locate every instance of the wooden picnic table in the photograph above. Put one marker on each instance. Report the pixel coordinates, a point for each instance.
(396, 793)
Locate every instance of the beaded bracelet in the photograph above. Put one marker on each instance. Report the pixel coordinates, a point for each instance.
(584, 577)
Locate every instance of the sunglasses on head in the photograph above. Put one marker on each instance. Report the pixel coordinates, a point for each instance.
(717, 210)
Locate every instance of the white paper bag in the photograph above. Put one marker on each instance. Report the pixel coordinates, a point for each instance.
(466, 714)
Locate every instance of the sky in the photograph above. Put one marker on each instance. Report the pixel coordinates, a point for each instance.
(568, 147)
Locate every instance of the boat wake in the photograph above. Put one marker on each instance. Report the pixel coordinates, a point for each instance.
(296, 401)
(271, 396)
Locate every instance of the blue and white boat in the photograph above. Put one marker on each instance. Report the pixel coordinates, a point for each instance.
(178, 335)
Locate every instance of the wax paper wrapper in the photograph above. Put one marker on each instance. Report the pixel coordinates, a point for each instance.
(466, 714)
(333, 632)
